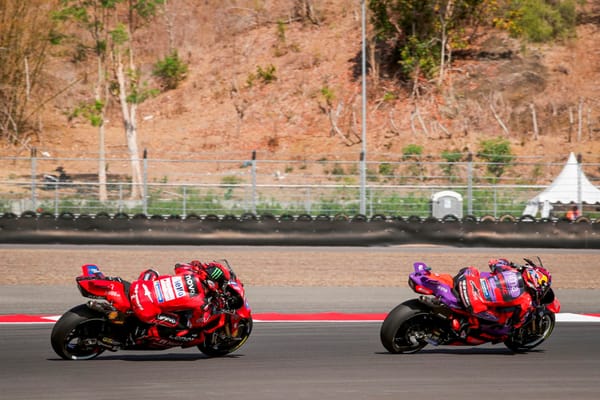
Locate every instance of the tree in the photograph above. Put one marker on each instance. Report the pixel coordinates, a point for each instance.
(94, 17)
(111, 24)
(26, 32)
(130, 90)
(422, 32)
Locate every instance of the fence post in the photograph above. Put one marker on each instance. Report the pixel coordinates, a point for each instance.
(496, 200)
(145, 183)
(308, 201)
(470, 184)
(184, 211)
(363, 182)
(120, 207)
(56, 199)
(579, 174)
(253, 182)
(33, 177)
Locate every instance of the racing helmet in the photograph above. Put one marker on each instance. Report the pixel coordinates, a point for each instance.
(193, 267)
(498, 263)
(537, 279)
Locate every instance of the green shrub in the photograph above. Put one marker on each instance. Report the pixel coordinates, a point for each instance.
(539, 20)
(268, 74)
(497, 153)
(386, 169)
(411, 151)
(451, 157)
(171, 71)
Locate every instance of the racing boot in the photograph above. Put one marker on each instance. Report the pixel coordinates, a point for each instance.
(462, 327)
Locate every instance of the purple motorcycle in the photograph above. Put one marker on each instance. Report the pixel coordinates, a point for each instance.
(439, 317)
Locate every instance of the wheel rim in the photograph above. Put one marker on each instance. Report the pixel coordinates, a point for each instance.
(225, 344)
(530, 340)
(547, 326)
(410, 336)
(81, 342)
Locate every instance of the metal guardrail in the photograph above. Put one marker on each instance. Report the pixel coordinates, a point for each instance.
(276, 187)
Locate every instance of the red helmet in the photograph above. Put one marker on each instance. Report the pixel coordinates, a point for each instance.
(193, 267)
(500, 262)
(538, 279)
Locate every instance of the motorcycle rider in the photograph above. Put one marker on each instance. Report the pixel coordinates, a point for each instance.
(163, 300)
(504, 296)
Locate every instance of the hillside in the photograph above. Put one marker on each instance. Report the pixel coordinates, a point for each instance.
(216, 113)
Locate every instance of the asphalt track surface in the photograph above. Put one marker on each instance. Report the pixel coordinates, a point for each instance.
(301, 360)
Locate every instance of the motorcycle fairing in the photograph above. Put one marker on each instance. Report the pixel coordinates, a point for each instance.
(422, 280)
(93, 284)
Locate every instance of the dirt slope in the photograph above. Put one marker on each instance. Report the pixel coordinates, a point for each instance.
(224, 109)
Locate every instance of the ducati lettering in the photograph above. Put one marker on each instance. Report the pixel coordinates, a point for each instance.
(178, 285)
(190, 282)
(167, 287)
(158, 292)
(113, 294)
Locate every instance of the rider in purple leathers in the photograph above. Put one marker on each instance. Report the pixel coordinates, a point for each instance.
(502, 296)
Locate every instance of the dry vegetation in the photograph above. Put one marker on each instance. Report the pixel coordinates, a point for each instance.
(224, 110)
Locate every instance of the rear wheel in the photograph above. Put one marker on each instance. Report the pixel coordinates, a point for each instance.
(532, 334)
(75, 334)
(406, 328)
(222, 342)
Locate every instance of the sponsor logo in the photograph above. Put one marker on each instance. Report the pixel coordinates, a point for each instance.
(166, 318)
(190, 282)
(136, 298)
(216, 273)
(484, 288)
(183, 338)
(166, 285)
(463, 293)
(159, 293)
(178, 285)
(113, 294)
(512, 284)
(475, 291)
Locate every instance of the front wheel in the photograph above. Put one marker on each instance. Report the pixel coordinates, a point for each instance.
(406, 328)
(223, 341)
(75, 334)
(533, 334)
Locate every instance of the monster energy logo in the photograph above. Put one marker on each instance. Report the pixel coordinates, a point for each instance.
(216, 273)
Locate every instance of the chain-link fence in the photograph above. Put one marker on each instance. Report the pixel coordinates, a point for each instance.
(324, 186)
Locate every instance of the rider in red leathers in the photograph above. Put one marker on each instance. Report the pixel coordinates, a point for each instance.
(502, 296)
(159, 299)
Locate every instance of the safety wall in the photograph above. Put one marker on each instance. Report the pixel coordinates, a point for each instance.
(303, 230)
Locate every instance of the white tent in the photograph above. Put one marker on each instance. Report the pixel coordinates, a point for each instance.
(571, 185)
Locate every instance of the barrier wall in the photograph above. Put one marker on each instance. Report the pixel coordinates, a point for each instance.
(303, 230)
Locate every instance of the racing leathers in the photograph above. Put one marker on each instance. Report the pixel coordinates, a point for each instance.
(180, 301)
(499, 296)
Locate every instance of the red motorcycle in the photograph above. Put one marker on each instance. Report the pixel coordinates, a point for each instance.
(87, 330)
(430, 319)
